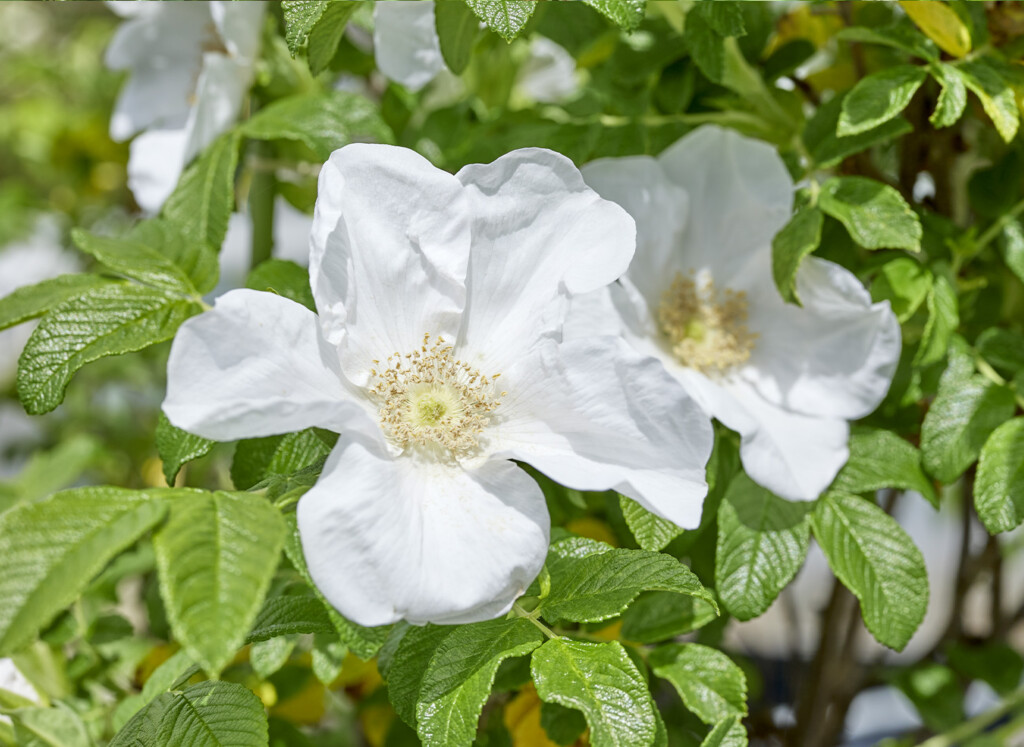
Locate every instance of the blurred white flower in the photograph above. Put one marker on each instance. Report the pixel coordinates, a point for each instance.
(436, 355)
(700, 298)
(12, 680)
(408, 51)
(291, 241)
(39, 257)
(190, 65)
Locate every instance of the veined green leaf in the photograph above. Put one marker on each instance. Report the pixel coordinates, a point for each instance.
(999, 489)
(727, 733)
(965, 411)
(108, 320)
(176, 447)
(458, 679)
(711, 685)
(650, 530)
(202, 202)
(258, 458)
(215, 557)
(506, 17)
(876, 560)
(33, 301)
(995, 93)
(900, 35)
(660, 615)
(601, 585)
(878, 98)
(49, 727)
(904, 283)
(762, 542)
(881, 459)
(943, 319)
(211, 714)
(316, 26)
(827, 148)
(798, 238)
(952, 98)
(874, 214)
(626, 14)
(414, 648)
(50, 550)
(289, 614)
(322, 121)
(600, 680)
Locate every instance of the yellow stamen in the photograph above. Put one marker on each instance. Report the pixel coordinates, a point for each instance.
(705, 327)
(433, 401)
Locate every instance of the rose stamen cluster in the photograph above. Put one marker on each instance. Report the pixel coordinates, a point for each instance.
(431, 399)
(705, 326)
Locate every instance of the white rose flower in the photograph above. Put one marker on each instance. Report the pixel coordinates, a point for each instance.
(436, 355)
(408, 51)
(191, 65)
(699, 297)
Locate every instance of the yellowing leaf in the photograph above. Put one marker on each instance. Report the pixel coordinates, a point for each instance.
(941, 24)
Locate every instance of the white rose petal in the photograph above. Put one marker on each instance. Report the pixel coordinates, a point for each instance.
(699, 297)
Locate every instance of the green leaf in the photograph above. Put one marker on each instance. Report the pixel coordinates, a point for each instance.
(458, 679)
(705, 44)
(965, 411)
(660, 615)
(215, 558)
(33, 301)
(506, 17)
(457, 29)
(267, 657)
(257, 458)
(109, 320)
(602, 585)
(876, 560)
(178, 668)
(935, 693)
(881, 459)
(878, 98)
(994, 662)
(1003, 349)
(650, 530)
(727, 733)
(50, 550)
(328, 657)
(363, 642)
(408, 666)
(798, 238)
(50, 471)
(49, 727)
(316, 26)
(762, 542)
(952, 98)
(600, 680)
(712, 687)
(176, 447)
(827, 148)
(999, 489)
(155, 253)
(626, 14)
(209, 714)
(290, 614)
(202, 202)
(874, 214)
(995, 93)
(322, 121)
(900, 35)
(1011, 243)
(943, 319)
(562, 725)
(904, 283)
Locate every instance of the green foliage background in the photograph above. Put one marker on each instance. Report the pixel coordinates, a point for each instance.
(900, 123)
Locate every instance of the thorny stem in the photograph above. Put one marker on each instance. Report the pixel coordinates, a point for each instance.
(532, 617)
